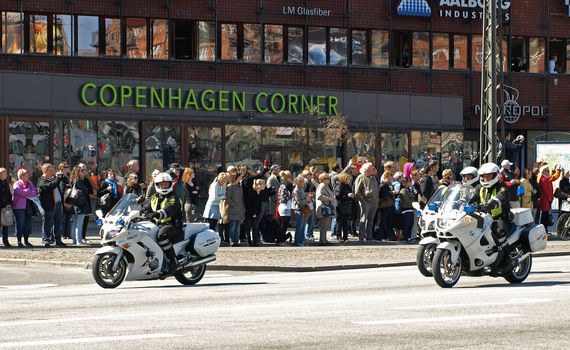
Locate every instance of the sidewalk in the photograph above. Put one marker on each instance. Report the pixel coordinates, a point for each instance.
(335, 256)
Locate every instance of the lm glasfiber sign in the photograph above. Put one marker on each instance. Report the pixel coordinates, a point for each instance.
(209, 100)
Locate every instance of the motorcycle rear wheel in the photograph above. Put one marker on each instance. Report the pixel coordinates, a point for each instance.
(520, 272)
(563, 227)
(445, 273)
(424, 259)
(191, 275)
(102, 273)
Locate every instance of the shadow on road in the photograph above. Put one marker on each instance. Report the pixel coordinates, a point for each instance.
(524, 284)
(201, 285)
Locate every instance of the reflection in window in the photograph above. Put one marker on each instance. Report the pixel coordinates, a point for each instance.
(519, 58)
(112, 37)
(452, 152)
(38, 34)
(273, 44)
(322, 147)
(420, 47)
(162, 148)
(471, 152)
(440, 54)
(317, 46)
(159, 39)
(62, 35)
(402, 49)
(28, 147)
(251, 42)
(182, 39)
(460, 52)
(118, 142)
(206, 41)
(425, 146)
(12, 32)
(288, 144)
(359, 44)
(242, 145)
(87, 36)
(394, 147)
(338, 47)
(229, 41)
(136, 38)
(380, 48)
(362, 144)
(204, 153)
(567, 56)
(476, 52)
(537, 60)
(75, 141)
(295, 45)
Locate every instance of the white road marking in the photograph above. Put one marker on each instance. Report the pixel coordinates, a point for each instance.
(520, 301)
(29, 286)
(88, 340)
(435, 319)
(215, 275)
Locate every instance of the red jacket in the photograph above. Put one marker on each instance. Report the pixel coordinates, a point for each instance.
(545, 200)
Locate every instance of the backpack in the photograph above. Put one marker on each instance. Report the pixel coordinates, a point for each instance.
(269, 228)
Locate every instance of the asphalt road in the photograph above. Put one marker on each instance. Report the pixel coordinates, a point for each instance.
(44, 308)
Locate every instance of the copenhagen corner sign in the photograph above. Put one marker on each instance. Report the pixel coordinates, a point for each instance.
(459, 9)
(209, 100)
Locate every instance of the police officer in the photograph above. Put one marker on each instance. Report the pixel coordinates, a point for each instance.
(165, 210)
(470, 179)
(494, 200)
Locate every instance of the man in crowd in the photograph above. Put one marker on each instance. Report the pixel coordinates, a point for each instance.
(273, 182)
(51, 199)
(508, 178)
(366, 193)
(178, 185)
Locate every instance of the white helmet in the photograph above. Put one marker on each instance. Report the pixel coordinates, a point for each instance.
(160, 178)
(489, 168)
(470, 171)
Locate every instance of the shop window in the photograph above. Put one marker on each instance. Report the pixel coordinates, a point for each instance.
(295, 38)
(359, 48)
(362, 144)
(117, 143)
(162, 147)
(317, 54)
(273, 43)
(452, 152)
(87, 36)
(440, 54)
(395, 148)
(229, 42)
(182, 39)
(112, 37)
(207, 41)
(476, 52)
(75, 141)
(204, 153)
(38, 33)
(243, 144)
(537, 52)
(567, 55)
(420, 50)
(519, 54)
(557, 48)
(460, 51)
(285, 146)
(62, 35)
(12, 32)
(159, 39)
(323, 146)
(402, 49)
(28, 147)
(380, 48)
(470, 153)
(251, 42)
(136, 38)
(426, 145)
(338, 47)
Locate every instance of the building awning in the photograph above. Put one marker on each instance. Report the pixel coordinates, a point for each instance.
(414, 8)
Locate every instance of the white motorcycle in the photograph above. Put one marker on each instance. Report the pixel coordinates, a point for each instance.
(130, 250)
(467, 245)
(426, 225)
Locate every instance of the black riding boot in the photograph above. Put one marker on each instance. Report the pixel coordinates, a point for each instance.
(173, 264)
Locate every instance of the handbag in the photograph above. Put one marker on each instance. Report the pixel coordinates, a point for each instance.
(76, 197)
(31, 209)
(305, 210)
(386, 202)
(7, 217)
(327, 210)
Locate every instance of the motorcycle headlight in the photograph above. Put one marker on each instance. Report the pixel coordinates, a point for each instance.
(110, 235)
(444, 223)
(431, 226)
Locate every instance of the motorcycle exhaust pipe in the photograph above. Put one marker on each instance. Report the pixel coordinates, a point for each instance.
(202, 261)
(523, 258)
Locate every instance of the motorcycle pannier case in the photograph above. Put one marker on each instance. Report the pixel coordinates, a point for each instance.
(204, 243)
(522, 216)
(535, 238)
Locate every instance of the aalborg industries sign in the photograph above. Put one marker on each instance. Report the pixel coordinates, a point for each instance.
(460, 9)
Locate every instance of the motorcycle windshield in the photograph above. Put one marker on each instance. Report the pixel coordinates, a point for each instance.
(124, 206)
(456, 196)
(436, 197)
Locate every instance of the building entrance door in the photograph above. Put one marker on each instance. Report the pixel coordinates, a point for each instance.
(162, 145)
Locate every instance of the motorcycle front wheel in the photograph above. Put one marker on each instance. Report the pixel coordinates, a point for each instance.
(424, 259)
(445, 272)
(563, 227)
(103, 272)
(520, 272)
(189, 276)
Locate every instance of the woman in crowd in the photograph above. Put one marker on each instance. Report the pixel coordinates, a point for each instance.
(298, 201)
(23, 189)
(408, 212)
(446, 178)
(284, 200)
(150, 190)
(547, 194)
(397, 220)
(386, 206)
(526, 198)
(110, 192)
(253, 212)
(133, 186)
(5, 201)
(236, 208)
(216, 192)
(537, 194)
(82, 205)
(325, 196)
(345, 198)
(64, 185)
(191, 191)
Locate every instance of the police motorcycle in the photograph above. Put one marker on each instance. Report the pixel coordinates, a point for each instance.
(467, 245)
(130, 250)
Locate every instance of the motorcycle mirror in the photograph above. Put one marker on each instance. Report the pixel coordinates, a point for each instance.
(469, 209)
(418, 213)
(433, 206)
(99, 213)
(99, 222)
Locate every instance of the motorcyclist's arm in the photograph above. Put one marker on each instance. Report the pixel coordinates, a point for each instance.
(171, 208)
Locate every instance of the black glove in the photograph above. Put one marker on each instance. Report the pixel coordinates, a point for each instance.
(153, 215)
(140, 199)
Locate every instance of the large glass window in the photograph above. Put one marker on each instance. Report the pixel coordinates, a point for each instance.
(440, 54)
(251, 42)
(567, 56)
(87, 36)
(362, 144)
(112, 37)
(75, 141)
(229, 42)
(359, 48)
(338, 47)
(62, 35)
(117, 143)
(402, 46)
(380, 48)
(519, 54)
(452, 152)
(182, 39)
(242, 145)
(317, 55)
(322, 148)
(537, 59)
(460, 52)
(273, 43)
(12, 32)
(38, 34)
(295, 45)
(206, 41)
(426, 145)
(285, 146)
(159, 39)
(162, 147)
(204, 153)
(28, 147)
(136, 38)
(395, 148)
(476, 52)
(420, 46)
